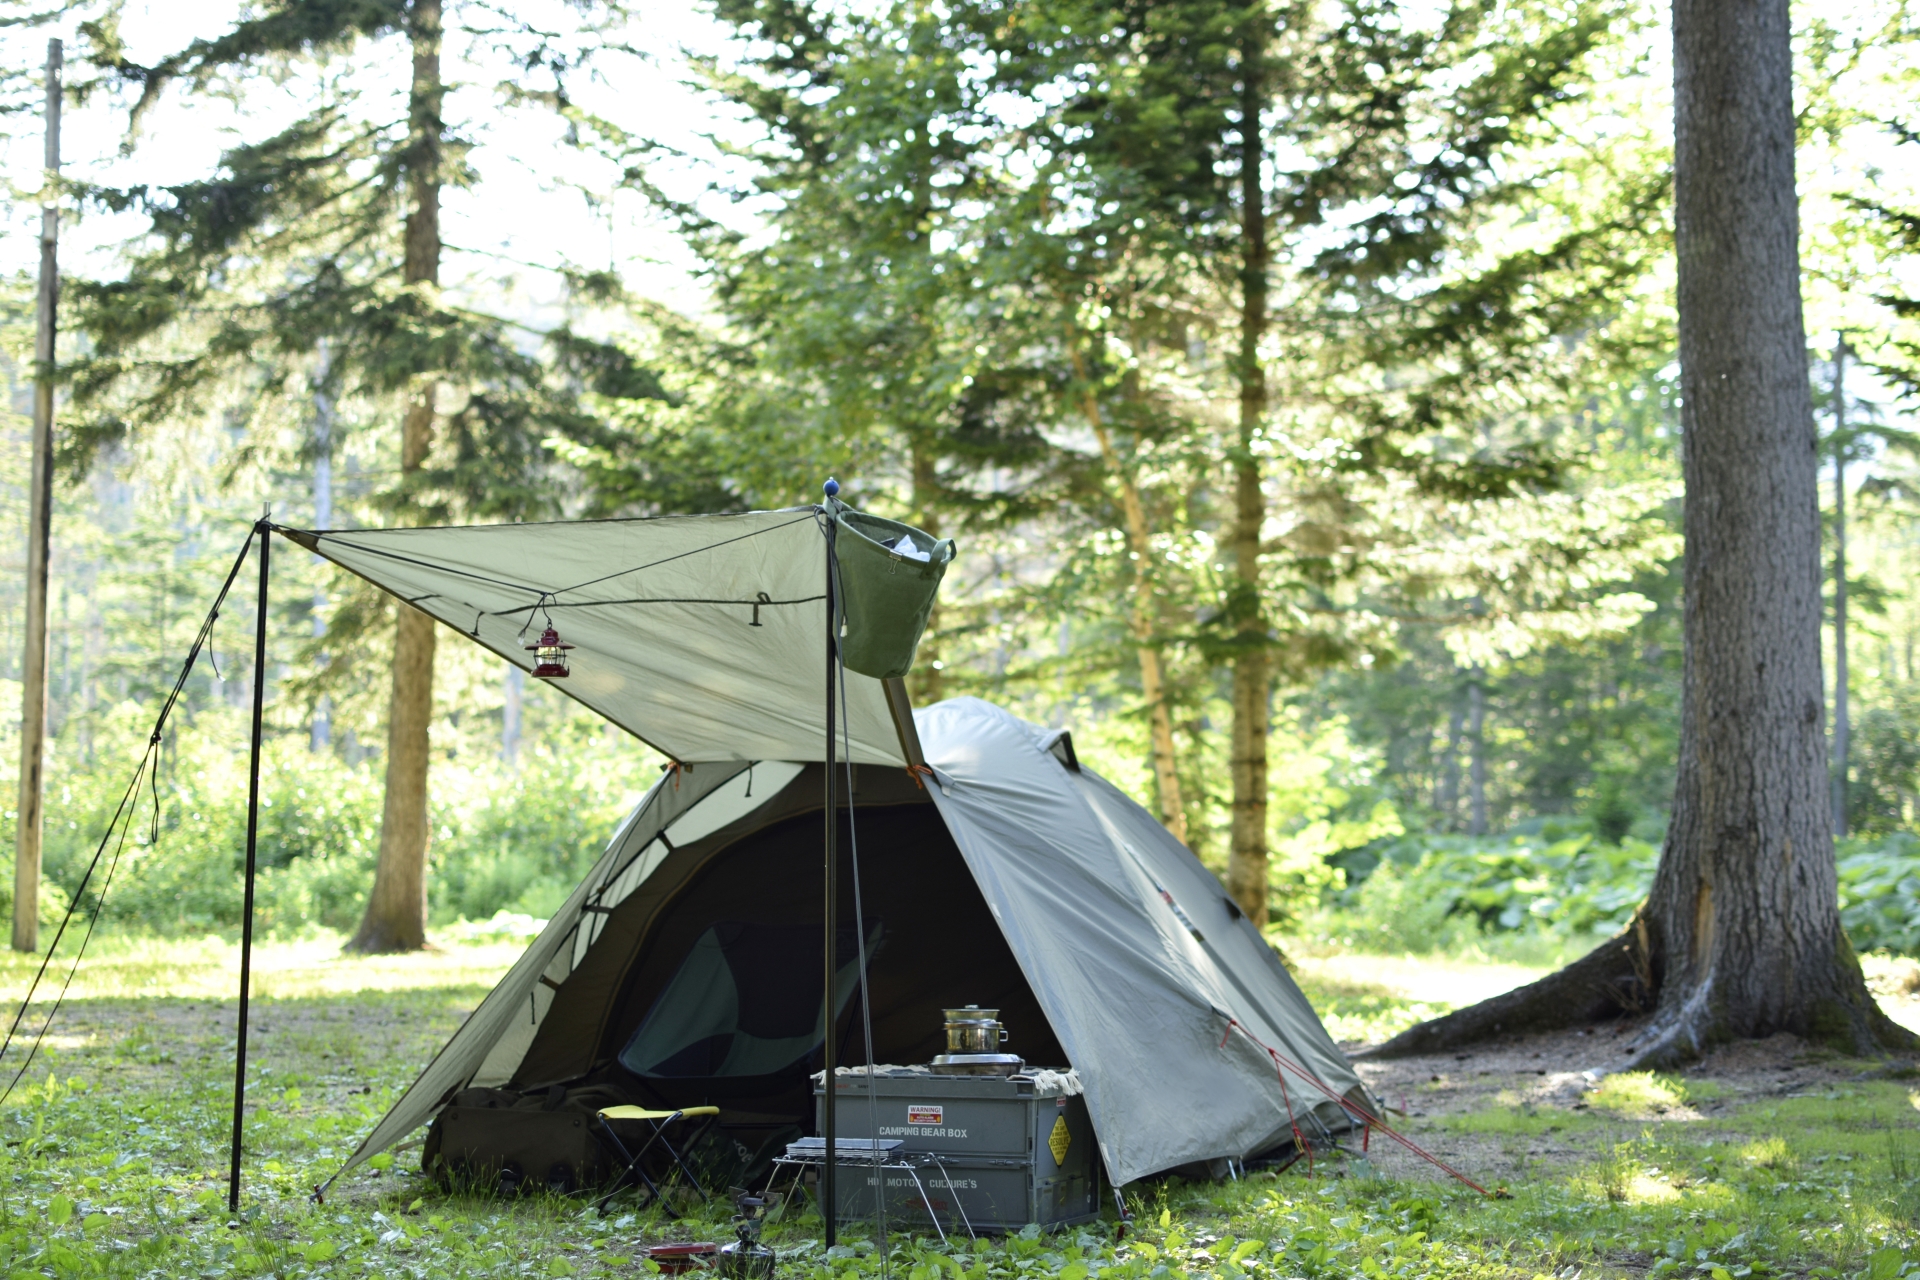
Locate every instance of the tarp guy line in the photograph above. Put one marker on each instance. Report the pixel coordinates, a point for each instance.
(147, 757)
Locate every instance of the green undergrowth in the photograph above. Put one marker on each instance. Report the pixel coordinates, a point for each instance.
(113, 1156)
(1552, 886)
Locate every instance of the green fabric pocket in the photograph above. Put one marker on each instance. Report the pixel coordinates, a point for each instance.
(886, 593)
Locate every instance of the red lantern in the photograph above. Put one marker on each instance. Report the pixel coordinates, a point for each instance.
(550, 656)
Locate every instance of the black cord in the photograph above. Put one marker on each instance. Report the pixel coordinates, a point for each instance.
(128, 798)
(542, 593)
(93, 920)
(654, 564)
(551, 604)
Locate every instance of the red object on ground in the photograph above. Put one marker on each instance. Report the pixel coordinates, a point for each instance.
(675, 1258)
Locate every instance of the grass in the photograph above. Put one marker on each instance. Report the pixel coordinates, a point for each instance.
(1639, 1094)
(114, 1158)
(1365, 997)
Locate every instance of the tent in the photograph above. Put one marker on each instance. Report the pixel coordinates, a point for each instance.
(686, 966)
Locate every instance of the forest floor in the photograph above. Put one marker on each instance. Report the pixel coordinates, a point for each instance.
(1767, 1159)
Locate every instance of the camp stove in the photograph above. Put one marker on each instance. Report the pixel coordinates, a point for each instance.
(746, 1258)
(974, 1037)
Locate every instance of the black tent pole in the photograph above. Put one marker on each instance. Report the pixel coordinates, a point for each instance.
(262, 531)
(828, 1004)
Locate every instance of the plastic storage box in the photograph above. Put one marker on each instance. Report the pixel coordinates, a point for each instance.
(989, 1153)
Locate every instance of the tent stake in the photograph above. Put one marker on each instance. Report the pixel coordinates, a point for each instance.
(829, 1206)
(264, 531)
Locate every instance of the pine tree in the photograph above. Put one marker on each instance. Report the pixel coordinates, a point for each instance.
(329, 232)
(1306, 155)
(1740, 935)
(867, 324)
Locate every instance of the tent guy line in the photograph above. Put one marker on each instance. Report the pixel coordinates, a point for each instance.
(145, 768)
(1369, 1122)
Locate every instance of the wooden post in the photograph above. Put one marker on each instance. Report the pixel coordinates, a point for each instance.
(33, 662)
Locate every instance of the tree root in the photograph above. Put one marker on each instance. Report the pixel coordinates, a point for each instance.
(1620, 978)
(1685, 1033)
(1611, 980)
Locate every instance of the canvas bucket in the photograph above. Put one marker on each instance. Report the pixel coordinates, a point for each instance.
(885, 595)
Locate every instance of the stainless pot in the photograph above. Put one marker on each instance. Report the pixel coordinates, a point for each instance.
(974, 1030)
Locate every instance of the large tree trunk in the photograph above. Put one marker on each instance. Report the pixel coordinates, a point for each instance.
(396, 918)
(1247, 855)
(1741, 933)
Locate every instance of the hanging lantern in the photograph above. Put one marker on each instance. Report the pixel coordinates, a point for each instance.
(549, 656)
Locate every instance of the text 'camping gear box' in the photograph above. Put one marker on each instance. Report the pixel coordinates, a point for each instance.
(990, 1153)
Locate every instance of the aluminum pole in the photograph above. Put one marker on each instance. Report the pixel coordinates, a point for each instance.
(828, 1005)
(263, 532)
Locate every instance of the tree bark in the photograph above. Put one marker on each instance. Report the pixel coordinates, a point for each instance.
(929, 672)
(1740, 935)
(1143, 616)
(320, 732)
(1247, 856)
(1448, 800)
(396, 917)
(1477, 758)
(510, 710)
(30, 816)
(1842, 726)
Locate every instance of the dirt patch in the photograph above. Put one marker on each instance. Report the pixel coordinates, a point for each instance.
(1528, 1104)
(1895, 983)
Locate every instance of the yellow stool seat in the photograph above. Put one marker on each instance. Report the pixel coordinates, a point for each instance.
(641, 1113)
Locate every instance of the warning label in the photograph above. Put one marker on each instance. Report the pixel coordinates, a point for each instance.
(920, 1114)
(1059, 1141)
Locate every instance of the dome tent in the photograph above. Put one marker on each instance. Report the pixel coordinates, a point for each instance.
(1111, 932)
(1012, 877)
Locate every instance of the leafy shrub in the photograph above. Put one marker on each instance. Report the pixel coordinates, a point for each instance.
(1432, 891)
(503, 840)
(1880, 892)
(520, 843)
(1398, 910)
(53, 901)
(1429, 891)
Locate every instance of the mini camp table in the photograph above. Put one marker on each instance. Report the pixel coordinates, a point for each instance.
(857, 1154)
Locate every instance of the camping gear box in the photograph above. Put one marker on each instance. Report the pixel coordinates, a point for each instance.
(991, 1152)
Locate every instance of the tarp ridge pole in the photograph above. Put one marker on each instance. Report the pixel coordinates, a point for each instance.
(264, 531)
(829, 1205)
